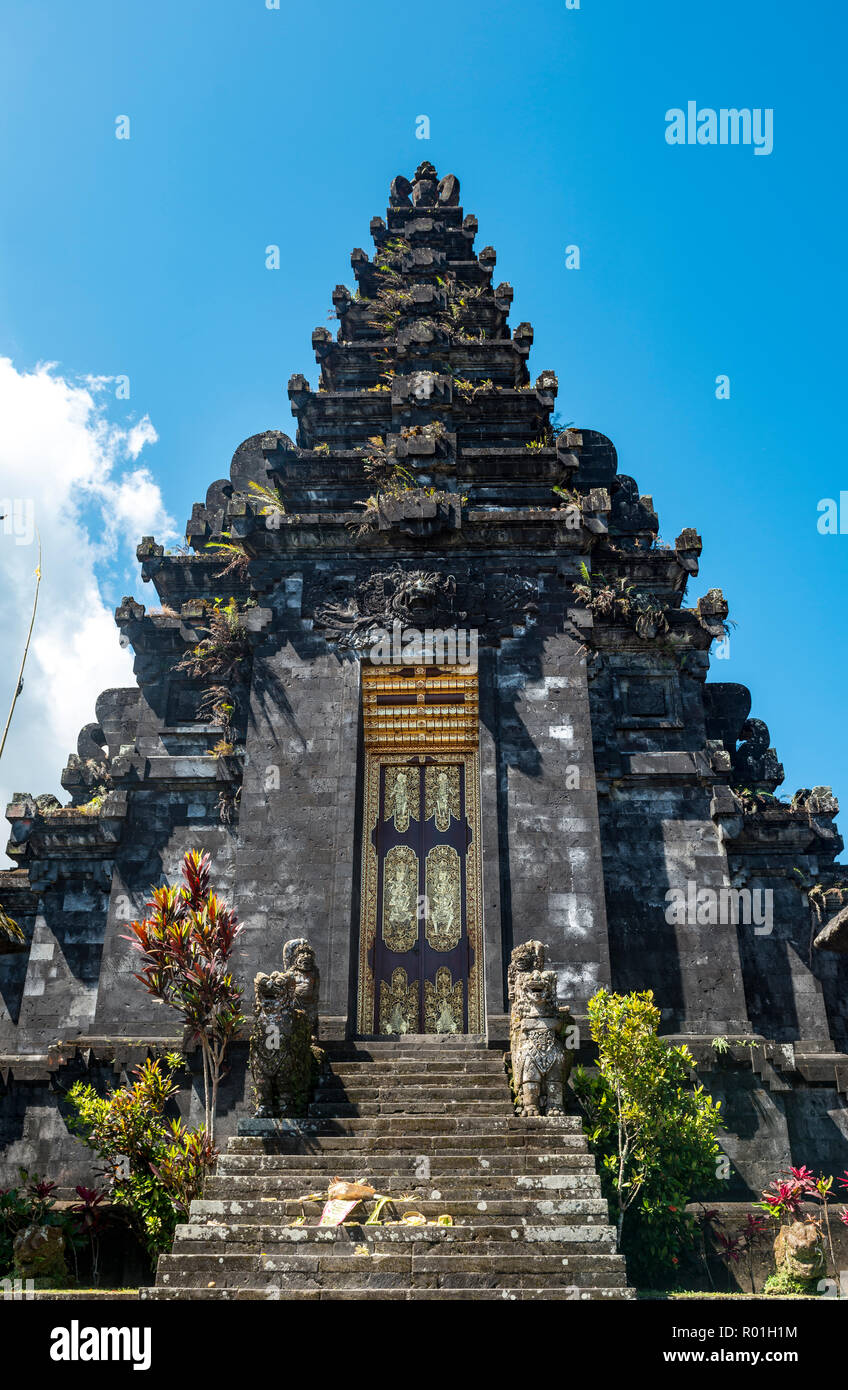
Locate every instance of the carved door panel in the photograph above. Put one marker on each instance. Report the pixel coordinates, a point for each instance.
(422, 951)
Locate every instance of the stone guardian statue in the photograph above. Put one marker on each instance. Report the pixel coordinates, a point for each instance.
(284, 1053)
(540, 1060)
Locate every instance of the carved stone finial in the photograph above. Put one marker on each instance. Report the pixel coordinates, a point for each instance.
(424, 191)
(449, 191)
(399, 192)
(540, 1059)
(712, 610)
(755, 764)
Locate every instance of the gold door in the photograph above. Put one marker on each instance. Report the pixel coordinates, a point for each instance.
(420, 960)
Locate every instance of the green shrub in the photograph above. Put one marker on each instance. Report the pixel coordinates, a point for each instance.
(653, 1130)
(157, 1166)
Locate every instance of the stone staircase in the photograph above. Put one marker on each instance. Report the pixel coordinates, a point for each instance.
(421, 1118)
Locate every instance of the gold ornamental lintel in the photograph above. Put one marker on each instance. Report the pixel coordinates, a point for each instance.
(404, 707)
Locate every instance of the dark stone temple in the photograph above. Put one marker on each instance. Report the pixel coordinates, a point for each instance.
(582, 782)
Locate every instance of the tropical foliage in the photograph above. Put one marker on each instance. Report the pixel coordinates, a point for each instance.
(652, 1128)
(186, 942)
(155, 1164)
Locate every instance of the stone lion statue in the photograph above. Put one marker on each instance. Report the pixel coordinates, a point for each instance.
(284, 1054)
(540, 1060)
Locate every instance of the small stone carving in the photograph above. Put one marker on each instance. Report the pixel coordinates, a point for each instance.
(834, 934)
(799, 1252)
(540, 1059)
(711, 611)
(630, 513)
(755, 764)
(816, 801)
(39, 1254)
(284, 1055)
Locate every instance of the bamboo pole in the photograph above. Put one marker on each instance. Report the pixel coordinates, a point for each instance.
(19, 685)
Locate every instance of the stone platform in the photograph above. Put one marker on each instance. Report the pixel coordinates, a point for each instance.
(431, 1121)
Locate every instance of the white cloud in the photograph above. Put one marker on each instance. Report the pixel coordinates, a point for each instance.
(66, 469)
(139, 435)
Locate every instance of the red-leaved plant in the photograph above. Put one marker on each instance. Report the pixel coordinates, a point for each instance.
(91, 1220)
(186, 942)
(784, 1196)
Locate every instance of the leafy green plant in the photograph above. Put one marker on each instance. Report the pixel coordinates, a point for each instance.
(391, 254)
(653, 1130)
(10, 931)
(221, 661)
(619, 601)
(271, 497)
(392, 478)
(92, 807)
(157, 1166)
(224, 648)
(186, 943)
(782, 1282)
(388, 307)
(571, 499)
(238, 560)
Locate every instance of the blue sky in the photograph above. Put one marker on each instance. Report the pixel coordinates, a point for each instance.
(252, 126)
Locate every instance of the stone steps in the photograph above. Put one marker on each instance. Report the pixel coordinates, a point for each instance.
(395, 1270)
(482, 1212)
(399, 1073)
(468, 1089)
(273, 1293)
(416, 1047)
(423, 1073)
(388, 1158)
(395, 1079)
(394, 1105)
(448, 1132)
(488, 1072)
(565, 1129)
(431, 1125)
(477, 1186)
(491, 1239)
